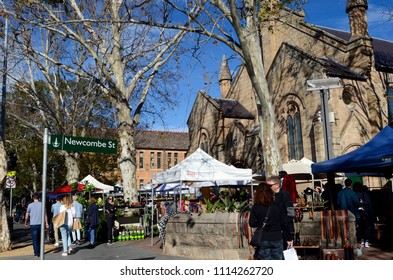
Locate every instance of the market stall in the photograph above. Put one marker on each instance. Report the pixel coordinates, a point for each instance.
(197, 168)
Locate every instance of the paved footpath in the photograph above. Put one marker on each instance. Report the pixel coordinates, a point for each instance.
(122, 250)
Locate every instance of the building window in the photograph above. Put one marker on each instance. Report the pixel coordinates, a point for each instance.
(175, 158)
(140, 159)
(169, 160)
(141, 183)
(204, 143)
(294, 131)
(152, 160)
(347, 94)
(159, 160)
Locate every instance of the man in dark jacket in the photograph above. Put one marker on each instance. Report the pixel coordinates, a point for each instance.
(92, 221)
(284, 200)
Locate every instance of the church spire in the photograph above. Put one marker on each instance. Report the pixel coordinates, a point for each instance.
(225, 78)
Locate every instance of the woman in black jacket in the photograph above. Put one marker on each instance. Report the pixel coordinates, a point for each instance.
(271, 245)
(110, 213)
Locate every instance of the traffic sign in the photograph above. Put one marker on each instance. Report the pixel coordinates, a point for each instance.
(82, 144)
(11, 174)
(10, 183)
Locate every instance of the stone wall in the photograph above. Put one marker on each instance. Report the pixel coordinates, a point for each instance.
(217, 236)
(206, 236)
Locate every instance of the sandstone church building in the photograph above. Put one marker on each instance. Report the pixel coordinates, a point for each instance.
(293, 53)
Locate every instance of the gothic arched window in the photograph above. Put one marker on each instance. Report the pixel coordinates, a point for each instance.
(294, 132)
(204, 143)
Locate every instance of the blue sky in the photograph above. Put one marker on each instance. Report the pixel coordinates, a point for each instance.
(327, 13)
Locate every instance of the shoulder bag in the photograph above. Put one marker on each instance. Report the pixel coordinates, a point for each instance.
(257, 236)
(76, 224)
(59, 219)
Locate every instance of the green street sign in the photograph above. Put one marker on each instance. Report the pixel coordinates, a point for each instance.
(82, 144)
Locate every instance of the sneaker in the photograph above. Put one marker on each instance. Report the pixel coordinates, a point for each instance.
(69, 250)
(56, 244)
(366, 244)
(110, 243)
(64, 254)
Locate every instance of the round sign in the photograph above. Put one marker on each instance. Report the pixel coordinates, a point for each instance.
(10, 182)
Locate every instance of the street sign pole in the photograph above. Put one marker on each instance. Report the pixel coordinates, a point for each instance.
(43, 199)
(10, 183)
(11, 202)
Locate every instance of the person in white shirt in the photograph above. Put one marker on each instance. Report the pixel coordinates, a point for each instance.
(66, 228)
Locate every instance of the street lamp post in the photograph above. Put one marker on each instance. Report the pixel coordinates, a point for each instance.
(323, 86)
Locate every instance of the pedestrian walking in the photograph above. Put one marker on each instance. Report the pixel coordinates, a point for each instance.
(34, 219)
(92, 221)
(55, 208)
(76, 233)
(66, 228)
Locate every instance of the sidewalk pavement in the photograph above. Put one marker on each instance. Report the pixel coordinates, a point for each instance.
(122, 250)
(145, 249)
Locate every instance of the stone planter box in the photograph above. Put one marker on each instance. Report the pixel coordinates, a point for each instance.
(218, 236)
(206, 236)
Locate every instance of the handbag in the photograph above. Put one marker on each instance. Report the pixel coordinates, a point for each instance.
(257, 236)
(76, 225)
(290, 254)
(59, 219)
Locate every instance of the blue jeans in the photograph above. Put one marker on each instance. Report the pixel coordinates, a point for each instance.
(91, 231)
(65, 231)
(36, 236)
(270, 250)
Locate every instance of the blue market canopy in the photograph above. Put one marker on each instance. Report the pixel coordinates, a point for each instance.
(375, 158)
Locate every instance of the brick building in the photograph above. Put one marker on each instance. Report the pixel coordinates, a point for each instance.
(157, 151)
(294, 52)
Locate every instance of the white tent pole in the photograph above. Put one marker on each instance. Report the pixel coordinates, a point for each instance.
(181, 186)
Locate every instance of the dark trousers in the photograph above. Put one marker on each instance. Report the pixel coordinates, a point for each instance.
(110, 224)
(270, 250)
(36, 236)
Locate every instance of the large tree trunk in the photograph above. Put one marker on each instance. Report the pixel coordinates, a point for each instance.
(35, 175)
(73, 171)
(128, 152)
(5, 237)
(267, 120)
(252, 54)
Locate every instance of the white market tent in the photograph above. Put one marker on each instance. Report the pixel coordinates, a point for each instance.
(201, 167)
(97, 184)
(301, 170)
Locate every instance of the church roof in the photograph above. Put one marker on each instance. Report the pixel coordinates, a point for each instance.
(335, 69)
(233, 109)
(383, 50)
